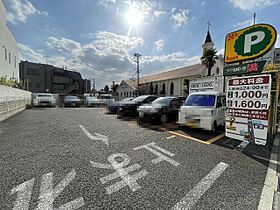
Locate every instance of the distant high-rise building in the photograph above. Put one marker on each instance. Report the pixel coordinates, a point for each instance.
(8, 47)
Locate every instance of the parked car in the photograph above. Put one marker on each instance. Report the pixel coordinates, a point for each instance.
(113, 108)
(106, 99)
(91, 101)
(130, 107)
(204, 110)
(44, 99)
(103, 100)
(162, 109)
(72, 101)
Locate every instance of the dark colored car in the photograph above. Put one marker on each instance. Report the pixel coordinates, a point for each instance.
(130, 107)
(71, 101)
(113, 108)
(162, 109)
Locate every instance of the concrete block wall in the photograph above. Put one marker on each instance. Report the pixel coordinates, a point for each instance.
(12, 101)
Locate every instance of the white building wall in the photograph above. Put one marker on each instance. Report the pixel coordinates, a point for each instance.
(9, 61)
(124, 91)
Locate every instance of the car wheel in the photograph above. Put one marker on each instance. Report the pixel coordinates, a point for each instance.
(214, 127)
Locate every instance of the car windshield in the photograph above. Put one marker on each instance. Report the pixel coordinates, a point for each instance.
(140, 98)
(200, 100)
(71, 97)
(43, 95)
(163, 100)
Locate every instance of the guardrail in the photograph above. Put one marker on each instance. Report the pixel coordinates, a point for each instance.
(12, 101)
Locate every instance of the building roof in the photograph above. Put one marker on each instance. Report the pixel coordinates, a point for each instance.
(208, 38)
(187, 71)
(131, 83)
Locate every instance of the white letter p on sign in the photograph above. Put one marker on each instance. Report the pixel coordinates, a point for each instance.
(249, 42)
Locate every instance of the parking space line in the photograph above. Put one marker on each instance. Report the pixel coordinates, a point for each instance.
(210, 141)
(191, 198)
(184, 136)
(171, 137)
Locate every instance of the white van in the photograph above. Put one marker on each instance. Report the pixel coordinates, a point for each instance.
(204, 110)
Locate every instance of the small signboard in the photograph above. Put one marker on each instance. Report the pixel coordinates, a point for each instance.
(246, 68)
(249, 43)
(196, 86)
(248, 100)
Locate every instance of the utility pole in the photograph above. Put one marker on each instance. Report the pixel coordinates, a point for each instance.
(254, 18)
(137, 55)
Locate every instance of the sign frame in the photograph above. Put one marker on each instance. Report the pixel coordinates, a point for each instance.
(251, 57)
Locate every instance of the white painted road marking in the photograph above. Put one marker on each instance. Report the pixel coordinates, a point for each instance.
(97, 137)
(24, 195)
(127, 180)
(161, 157)
(47, 193)
(271, 179)
(190, 199)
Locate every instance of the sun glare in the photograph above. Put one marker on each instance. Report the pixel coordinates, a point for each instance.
(134, 17)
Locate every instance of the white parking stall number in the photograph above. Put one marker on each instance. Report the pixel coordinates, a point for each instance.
(128, 180)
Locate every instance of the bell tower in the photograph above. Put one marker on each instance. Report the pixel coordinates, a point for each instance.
(208, 43)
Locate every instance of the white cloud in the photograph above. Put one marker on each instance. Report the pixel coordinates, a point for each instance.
(107, 58)
(18, 10)
(277, 44)
(64, 45)
(253, 4)
(159, 45)
(26, 53)
(203, 3)
(155, 64)
(106, 2)
(180, 18)
(158, 13)
(221, 51)
(244, 23)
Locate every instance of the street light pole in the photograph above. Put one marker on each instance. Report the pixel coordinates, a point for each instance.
(137, 55)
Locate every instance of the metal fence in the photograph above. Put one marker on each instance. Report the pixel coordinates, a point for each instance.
(12, 101)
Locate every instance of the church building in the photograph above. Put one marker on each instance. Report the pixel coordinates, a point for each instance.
(174, 82)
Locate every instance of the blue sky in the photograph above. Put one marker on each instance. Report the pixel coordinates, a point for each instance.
(99, 37)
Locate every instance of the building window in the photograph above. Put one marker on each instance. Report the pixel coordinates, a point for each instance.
(129, 94)
(29, 84)
(9, 57)
(171, 88)
(163, 89)
(15, 61)
(37, 85)
(32, 71)
(5, 54)
(156, 89)
(217, 71)
(121, 94)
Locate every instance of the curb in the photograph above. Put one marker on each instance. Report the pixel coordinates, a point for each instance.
(270, 196)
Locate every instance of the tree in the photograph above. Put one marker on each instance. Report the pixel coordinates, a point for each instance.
(106, 88)
(114, 87)
(208, 59)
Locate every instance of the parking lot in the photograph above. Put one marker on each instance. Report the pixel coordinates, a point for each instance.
(70, 158)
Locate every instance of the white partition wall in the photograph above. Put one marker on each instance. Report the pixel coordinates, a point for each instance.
(12, 101)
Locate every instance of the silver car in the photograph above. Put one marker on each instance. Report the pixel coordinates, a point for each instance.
(44, 99)
(72, 101)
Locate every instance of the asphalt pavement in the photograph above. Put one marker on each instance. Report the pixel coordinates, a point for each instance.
(83, 158)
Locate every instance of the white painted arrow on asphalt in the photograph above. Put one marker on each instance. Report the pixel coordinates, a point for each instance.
(97, 137)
